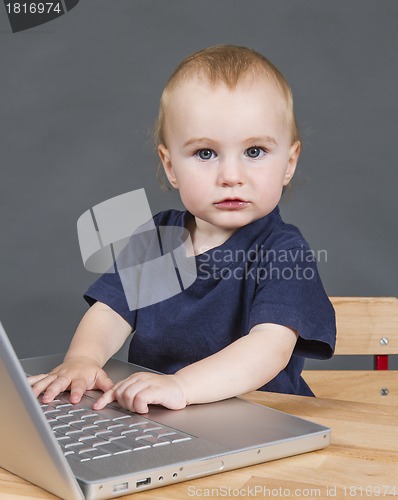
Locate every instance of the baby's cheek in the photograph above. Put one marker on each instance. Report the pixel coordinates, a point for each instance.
(191, 197)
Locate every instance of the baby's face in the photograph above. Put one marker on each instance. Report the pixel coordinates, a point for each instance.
(229, 152)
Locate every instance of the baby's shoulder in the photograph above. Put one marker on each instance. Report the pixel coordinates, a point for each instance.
(170, 217)
(286, 236)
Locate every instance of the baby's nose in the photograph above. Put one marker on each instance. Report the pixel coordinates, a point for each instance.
(230, 173)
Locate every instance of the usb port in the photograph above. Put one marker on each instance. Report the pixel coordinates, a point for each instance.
(143, 482)
(118, 488)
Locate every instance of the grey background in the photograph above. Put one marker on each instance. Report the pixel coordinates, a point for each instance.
(79, 96)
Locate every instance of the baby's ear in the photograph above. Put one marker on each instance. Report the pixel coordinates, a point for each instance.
(164, 155)
(294, 153)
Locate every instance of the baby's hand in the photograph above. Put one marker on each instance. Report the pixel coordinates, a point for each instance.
(77, 374)
(139, 390)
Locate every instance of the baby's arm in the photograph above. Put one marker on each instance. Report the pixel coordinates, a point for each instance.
(99, 335)
(245, 365)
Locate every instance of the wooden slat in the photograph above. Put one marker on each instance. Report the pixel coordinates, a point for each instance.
(365, 325)
(363, 321)
(354, 385)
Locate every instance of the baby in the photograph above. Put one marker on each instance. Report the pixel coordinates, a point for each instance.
(228, 141)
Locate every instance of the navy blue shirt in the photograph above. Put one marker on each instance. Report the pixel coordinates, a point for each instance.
(264, 273)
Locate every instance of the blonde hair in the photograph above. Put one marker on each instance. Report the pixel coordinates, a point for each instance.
(227, 64)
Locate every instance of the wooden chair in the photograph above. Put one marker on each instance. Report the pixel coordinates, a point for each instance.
(365, 325)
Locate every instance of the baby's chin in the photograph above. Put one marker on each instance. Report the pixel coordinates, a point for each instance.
(239, 220)
(229, 221)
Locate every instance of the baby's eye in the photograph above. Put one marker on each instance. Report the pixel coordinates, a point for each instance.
(254, 152)
(205, 154)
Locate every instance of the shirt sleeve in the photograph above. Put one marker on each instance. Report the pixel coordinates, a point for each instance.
(116, 291)
(109, 290)
(290, 293)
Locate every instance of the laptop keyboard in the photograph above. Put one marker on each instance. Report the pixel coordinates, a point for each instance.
(84, 434)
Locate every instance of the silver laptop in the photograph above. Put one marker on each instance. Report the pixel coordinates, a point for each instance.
(77, 453)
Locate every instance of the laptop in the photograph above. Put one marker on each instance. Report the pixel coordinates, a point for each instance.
(163, 447)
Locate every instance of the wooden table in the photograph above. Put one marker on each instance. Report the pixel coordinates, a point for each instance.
(361, 462)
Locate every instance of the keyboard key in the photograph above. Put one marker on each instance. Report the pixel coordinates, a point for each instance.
(89, 416)
(64, 405)
(75, 433)
(67, 419)
(102, 421)
(153, 441)
(141, 436)
(51, 419)
(115, 438)
(115, 427)
(165, 434)
(109, 412)
(89, 427)
(74, 420)
(102, 455)
(83, 425)
(87, 438)
(123, 418)
(64, 439)
(73, 444)
(161, 443)
(87, 449)
(150, 429)
(139, 425)
(114, 448)
(80, 458)
(129, 432)
(179, 438)
(103, 434)
(141, 446)
(58, 434)
(96, 443)
(51, 411)
(52, 404)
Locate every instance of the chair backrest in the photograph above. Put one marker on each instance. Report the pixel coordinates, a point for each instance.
(366, 325)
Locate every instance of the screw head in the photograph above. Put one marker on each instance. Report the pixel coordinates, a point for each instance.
(384, 341)
(384, 391)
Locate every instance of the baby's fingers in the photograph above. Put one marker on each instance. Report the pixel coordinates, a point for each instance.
(104, 400)
(136, 397)
(59, 384)
(40, 383)
(77, 389)
(103, 382)
(33, 379)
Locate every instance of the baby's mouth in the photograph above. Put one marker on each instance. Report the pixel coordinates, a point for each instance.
(231, 204)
